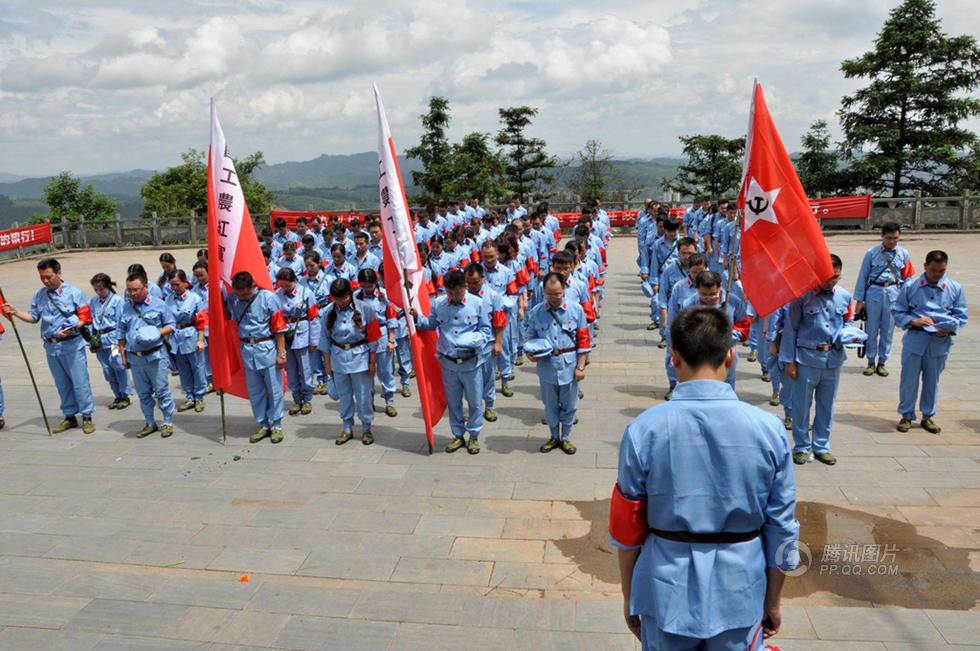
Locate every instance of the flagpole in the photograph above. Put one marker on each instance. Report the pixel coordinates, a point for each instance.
(30, 372)
(731, 260)
(407, 283)
(224, 423)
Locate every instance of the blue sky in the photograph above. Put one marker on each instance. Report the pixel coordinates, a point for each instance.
(107, 86)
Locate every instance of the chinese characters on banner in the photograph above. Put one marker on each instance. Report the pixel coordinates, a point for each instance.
(25, 236)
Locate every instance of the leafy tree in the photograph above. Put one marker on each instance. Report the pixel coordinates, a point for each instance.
(528, 166)
(179, 190)
(591, 170)
(819, 165)
(70, 201)
(713, 167)
(477, 169)
(902, 130)
(434, 152)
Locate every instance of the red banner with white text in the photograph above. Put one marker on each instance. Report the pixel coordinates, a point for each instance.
(15, 238)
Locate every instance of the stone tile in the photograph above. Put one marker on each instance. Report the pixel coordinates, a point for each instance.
(388, 522)
(303, 600)
(433, 636)
(28, 544)
(371, 470)
(432, 570)
(481, 527)
(328, 633)
(127, 642)
(126, 617)
(23, 575)
(538, 576)
(873, 624)
(14, 637)
(219, 591)
(253, 627)
(491, 549)
(267, 561)
(38, 612)
(577, 641)
(942, 516)
(198, 623)
(409, 607)
(888, 496)
(111, 585)
(955, 496)
(957, 626)
(166, 554)
(521, 613)
(599, 616)
(349, 564)
(220, 535)
(544, 529)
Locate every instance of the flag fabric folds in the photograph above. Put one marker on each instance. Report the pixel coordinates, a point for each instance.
(783, 249)
(401, 262)
(232, 247)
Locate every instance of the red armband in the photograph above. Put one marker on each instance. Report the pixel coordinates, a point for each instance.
(908, 270)
(276, 322)
(312, 312)
(429, 286)
(850, 312)
(201, 320)
(627, 519)
(84, 314)
(372, 331)
(602, 254)
(438, 281)
(557, 236)
(582, 339)
(589, 311)
(475, 256)
(499, 319)
(391, 312)
(592, 283)
(522, 277)
(512, 288)
(742, 327)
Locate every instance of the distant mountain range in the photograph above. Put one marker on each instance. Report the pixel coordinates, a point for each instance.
(328, 182)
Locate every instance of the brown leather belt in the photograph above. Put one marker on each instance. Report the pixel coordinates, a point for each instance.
(350, 345)
(104, 330)
(255, 340)
(144, 353)
(58, 340)
(888, 284)
(186, 325)
(563, 351)
(721, 538)
(458, 360)
(823, 348)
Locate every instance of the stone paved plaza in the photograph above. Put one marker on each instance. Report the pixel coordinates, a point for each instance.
(109, 542)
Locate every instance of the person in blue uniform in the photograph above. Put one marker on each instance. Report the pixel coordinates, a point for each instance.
(106, 309)
(262, 332)
(562, 324)
(463, 324)
(673, 270)
(318, 282)
(200, 288)
(347, 341)
(283, 234)
(932, 310)
(62, 312)
(883, 270)
(494, 347)
(502, 279)
(782, 385)
(363, 258)
(168, 264)
(300, 311)
(812, 351)
(146, 322)
(681, 294)
(703, 508)
(290, 259)
(190, 316)
(711, 294)
(339, 267)
(387, 317)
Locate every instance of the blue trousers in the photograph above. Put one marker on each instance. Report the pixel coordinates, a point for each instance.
(781, 383)
(359, 388)
(928, 367)
(820, 384)
(880, 325)
(516, 338)
(671, 371)
(70, 371)
(459, 381)
(152, 386)
(386, 373)
(316, 366)
(505, 362)
(265, 394)
(403, 349)
(114, 373)
(730, 377)
(207, 362)
(755, 336)
(487, 367)
(761, 346)
(654, 639)
(560, 402)
(299, 374)
(193, 377)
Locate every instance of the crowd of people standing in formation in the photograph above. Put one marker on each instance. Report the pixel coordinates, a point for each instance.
(801, 346)
(503, 290)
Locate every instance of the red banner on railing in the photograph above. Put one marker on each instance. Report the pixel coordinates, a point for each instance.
(292, 215)
(15, 238)
(858, 207)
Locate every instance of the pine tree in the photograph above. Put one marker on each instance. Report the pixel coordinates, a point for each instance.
(434, 152)
(528, 165)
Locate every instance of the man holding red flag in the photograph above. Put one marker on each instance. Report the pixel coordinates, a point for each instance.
(782, 249)
(403, 273)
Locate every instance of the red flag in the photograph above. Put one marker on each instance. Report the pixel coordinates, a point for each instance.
(783, 250)
(400, 260)
(232, 247)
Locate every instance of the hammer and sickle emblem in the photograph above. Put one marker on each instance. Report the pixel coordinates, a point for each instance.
(757, 205)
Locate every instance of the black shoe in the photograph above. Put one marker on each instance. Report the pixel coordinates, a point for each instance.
(825, 457)
(567, 447)
(550, 445)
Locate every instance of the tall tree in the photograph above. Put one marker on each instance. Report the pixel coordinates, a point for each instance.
(528, 165)
(819, 164)
(591, 170)
(902, 129)
(713, 167)
(179, 190)
(434, 151)
(478, 170)
(71, 201)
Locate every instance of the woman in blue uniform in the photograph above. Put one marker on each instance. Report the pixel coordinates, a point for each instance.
(349, 330)
(385, 349)
(200, 287)
(299, 309)
(318, 282)
(106, 308)
(187, 341)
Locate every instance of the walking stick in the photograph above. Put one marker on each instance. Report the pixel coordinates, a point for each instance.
(30, 372)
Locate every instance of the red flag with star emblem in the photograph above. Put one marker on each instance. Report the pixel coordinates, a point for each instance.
(784, 253)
